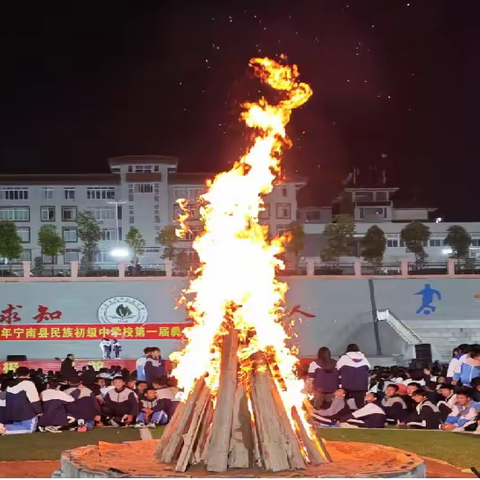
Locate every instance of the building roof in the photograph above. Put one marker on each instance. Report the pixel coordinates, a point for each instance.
(162, 159)
(61, 179)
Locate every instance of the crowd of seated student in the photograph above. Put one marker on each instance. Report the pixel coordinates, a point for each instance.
(434, 398)
(31, 400)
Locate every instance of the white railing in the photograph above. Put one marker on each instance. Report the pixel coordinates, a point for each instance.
(400, 327)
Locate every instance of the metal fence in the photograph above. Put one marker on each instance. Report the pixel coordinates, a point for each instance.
(384, 269)
(428, 268)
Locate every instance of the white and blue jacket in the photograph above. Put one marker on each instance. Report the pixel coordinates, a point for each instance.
(22, 401)
(464, 416)
(469, 369)
(54, 404)
(353, 368)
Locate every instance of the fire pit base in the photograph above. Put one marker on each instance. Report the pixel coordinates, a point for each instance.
(136, 459)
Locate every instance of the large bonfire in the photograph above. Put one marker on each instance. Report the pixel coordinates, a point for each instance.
(243, 404)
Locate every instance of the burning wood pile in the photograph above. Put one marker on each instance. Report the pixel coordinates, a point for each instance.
(244, 405)
(248, 426)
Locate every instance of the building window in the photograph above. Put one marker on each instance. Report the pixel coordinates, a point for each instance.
(102, 213)
(264, 214)
(143, 188)
(312, 216)
(70, 234)
(402, 243)
(130, 193)
(47, 259)
(131, 219)
(108, 234)
(284, 192)
(71, 255)
(69, 193)
(47, 214)
(15, 214)
(25, 256)
(104, 257)
(101, 193)
(157, 218)
(392, 242)
(193, 233)
(193, 212)
(130, 169)
(47, 193)
(115, 169)
(372, 213)
(143, 168)
(284, 210)
(24, 234)
(281, 230)
(381, 196)
(69, 214)
(188, 193)
(475, 242)
(14, 193)
(364, 196)
(436, 242)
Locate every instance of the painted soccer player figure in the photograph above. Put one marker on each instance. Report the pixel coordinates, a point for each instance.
(428, 295)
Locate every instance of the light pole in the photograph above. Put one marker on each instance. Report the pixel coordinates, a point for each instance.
(118, 252)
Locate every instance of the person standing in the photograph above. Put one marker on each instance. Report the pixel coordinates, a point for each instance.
(353, 368)
(140, 365)
(67, 368)
(106, 348)
(116, 348)
(155, 365)
(324, 378)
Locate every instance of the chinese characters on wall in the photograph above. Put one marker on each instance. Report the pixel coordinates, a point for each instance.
(11, 314)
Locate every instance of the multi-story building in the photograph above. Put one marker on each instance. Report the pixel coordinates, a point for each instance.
(374, 204)
(140, 191)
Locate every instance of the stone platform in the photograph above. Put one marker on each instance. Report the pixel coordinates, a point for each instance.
(136, 459)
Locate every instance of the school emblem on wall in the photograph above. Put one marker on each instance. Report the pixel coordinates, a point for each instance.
(122, 310)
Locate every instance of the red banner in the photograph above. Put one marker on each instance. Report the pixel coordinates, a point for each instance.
(83, 331)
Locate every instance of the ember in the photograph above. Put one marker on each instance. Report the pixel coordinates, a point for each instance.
(244, 405)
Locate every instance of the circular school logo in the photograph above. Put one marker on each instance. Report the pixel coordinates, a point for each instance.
(122, 310)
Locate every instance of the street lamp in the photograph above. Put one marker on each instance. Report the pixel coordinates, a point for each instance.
(119, 251)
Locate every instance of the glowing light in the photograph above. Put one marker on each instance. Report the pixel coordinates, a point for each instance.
(120, 252)
(236, 281)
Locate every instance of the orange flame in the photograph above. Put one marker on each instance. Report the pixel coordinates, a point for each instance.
(236, 279)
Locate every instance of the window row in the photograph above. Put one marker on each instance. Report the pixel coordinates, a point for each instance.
(395, 241)
(13, 193)
(22, 193)
(143, 168)
(47, 214)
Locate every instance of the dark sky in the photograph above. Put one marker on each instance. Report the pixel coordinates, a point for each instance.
(395, 85)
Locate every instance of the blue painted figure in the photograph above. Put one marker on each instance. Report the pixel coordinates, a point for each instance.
(428, 295)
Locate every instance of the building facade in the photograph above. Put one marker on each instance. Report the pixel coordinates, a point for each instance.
(139, 191)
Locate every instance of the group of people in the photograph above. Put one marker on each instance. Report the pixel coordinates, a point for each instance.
(80, 400)
(109, 347)
(348, 394)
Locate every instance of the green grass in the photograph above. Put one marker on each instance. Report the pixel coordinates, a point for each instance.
(459, 449)
(48, 446)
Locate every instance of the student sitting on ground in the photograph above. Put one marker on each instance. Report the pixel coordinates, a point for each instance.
(165, 396)
(120, 406)
(22, 405)
(426, 415)
(394, 405)
(54, 402)
(448, 400)
(476, 389)
(140, 388)
(151, 413)
(411, 405)
(85, 409)
(369, 416)
(328, 417)
(464, 413)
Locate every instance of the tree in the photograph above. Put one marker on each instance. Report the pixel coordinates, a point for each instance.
(90, 233)
(10, 242)
(182, 262)
(167, 238)
(136, 242)
(38, 268)
(340, 238)
(460, 240)
(373, 246)
(297, 238)
(50, 242)
(414, 235)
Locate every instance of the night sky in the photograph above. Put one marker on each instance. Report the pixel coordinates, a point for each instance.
(395, 86)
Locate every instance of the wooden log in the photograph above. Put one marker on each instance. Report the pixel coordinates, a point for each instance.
(292, 444)
(216, 455)
(191, 436)
(202, 434)
(169, 429)
(312, 446)
(270, 437)
(241, 442)
(175, 442)
(257, 453)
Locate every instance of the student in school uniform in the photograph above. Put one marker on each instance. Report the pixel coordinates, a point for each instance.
(54, 403)
(85, 409)
(22, 405)
(463, 416)
(354, 368)
(116, 348)
(426, 415)
(448, 400)
(469, 367)
(327, 417)
(394, 405)
(155, 366)
(151, 413)
(140, 365)
(371, 415)
(324, 378)
(106, 348)
(165, 396)
(120, 406)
